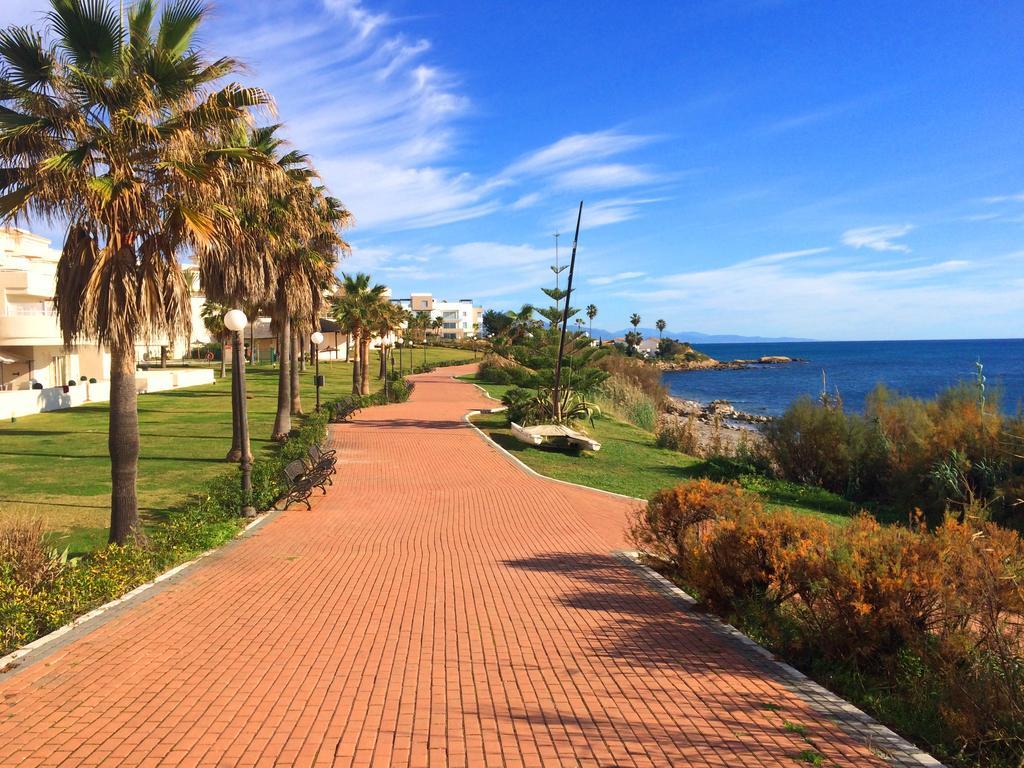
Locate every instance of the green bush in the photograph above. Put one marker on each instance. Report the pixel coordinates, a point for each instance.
(948, 453)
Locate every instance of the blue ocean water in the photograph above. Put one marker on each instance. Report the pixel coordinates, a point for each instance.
(918, 368)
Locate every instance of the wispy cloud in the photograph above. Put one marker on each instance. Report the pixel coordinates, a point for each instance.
(379, 118)
(781, 292)
(575, 150)
(526, 201)
(775, 258)
(1016, 198)
(608, 176)
(621, 277)
(878, 238)
(601, 213)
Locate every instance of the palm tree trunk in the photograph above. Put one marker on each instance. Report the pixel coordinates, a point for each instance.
(356, 378)
(283, 422)
(383, 371)
(223, 359)
(296, 394)
(364, 367)
(123, 444)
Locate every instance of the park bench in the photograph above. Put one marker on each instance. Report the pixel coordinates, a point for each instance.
(322, 462)
(300, 483)
(343, 410)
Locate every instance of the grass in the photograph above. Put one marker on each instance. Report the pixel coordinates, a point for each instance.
(631, 463)
(55, 465)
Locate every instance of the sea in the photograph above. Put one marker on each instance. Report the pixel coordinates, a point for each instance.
(853, 368)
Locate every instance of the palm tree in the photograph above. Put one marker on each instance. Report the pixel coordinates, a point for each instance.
(387, 321)
(355, 309)
(423, 323)
(212, 313)
(591, 314)
(304, 239)
(660, 325)
(634, 320)
(633, 339)
(437, 324)
(119, 129)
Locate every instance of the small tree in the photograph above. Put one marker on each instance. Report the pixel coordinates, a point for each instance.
(213, 318)
(633, 339)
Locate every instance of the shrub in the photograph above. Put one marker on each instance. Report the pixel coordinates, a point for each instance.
(24, 556)
(825, 446)
(641, 375)
(922, 627)
(934, 454)
(679, 435)
(626, 398)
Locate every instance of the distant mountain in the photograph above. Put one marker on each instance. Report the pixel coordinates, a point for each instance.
(697, 336)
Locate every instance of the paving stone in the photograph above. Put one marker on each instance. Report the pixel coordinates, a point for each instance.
(438, 607)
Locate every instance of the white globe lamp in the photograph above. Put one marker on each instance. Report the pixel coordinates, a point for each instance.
(235, 320)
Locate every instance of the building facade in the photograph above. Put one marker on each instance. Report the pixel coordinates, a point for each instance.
(37, 372)
(31, 347)
(461, 319)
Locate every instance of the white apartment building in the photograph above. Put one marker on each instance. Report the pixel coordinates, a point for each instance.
(37, 372)
(31, 347)
(462, 320)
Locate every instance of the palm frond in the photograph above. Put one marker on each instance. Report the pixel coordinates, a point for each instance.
(89, 32)
(26, 61)
(178, 24)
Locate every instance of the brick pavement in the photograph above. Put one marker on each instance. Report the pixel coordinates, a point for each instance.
(439, 607)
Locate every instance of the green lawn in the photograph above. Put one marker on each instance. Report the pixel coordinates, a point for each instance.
(630, 463)
(55, 465)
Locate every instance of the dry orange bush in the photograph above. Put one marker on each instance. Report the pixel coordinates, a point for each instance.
(947, 603)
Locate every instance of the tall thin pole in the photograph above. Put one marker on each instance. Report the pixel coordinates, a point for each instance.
(316, 354)
(243, 431)
(556, 394)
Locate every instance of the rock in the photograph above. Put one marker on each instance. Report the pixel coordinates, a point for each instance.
(681, 407)
(775, 359)
(721, 408)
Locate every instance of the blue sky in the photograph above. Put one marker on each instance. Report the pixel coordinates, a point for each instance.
(832, 170)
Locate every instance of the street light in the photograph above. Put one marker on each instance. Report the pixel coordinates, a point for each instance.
(236, 321)
(317, 338)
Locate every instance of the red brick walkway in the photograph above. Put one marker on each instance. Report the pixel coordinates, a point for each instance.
(439, 607)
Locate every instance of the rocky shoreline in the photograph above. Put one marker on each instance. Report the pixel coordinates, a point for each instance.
(710, 364)
(715, 411)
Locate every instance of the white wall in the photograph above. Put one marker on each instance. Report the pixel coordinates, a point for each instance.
(32, 401)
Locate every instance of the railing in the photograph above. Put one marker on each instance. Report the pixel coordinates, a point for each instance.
(30, 310)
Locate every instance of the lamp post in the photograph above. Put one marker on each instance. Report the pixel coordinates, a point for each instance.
(236, 321)
(317, 338)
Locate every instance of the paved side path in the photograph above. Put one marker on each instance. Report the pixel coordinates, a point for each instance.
(438, 607)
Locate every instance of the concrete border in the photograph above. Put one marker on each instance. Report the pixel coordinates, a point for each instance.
(23, 657)
(880, 739)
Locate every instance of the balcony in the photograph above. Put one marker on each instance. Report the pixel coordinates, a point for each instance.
(23, 328)
(20, 282)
